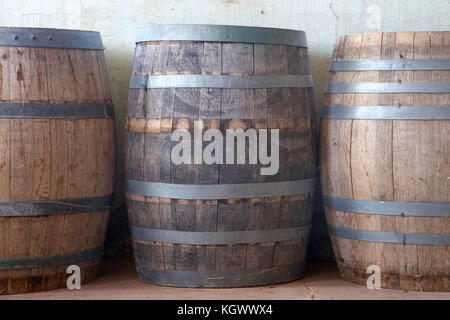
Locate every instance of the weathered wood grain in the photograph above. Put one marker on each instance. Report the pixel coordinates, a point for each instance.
(154, 113)
(51, 159)
(389, 160)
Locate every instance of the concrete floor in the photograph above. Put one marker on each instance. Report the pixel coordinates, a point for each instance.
(118, 281)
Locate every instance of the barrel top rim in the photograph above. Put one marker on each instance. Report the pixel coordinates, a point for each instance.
(221, 33)
(393, 32)
(50, 38)
(5, 28)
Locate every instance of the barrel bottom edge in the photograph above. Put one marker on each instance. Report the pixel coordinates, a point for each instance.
(222, 279)
(398, 282)
(30, 280)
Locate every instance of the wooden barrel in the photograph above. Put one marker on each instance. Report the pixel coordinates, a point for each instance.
(216, 224)
(57, 154)
(385, 150)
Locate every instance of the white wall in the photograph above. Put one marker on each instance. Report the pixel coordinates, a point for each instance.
(323, 20)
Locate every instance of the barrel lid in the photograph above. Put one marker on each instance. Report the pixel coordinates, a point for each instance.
(50, 38)
(221, 33)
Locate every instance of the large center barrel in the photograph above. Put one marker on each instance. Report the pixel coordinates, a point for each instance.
(237, 219)
(385, 150)
(57, 154)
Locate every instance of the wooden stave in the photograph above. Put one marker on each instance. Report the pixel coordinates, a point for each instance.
(436, 279)
(136, 123)
(47, 65)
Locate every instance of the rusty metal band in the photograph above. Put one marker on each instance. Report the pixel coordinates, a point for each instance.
(390, 237)
(221, 81)
(386, 112)
(412, 209)
(220, 191)
(50, 261)
(388, 65)
(388, 87)
(222, 279)
(220, 238)
(50, 38)
(56, 110)
(221, 33)
(38, 208)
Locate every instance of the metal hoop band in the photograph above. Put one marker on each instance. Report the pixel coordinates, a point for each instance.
(387, 65)
(219, 238)
(39, 262)
(389, 237)
(56, 110)
(219, 81)
(386, 112)
(413, 209)
(50, 38)
(220, 33)
(388, 87)
(220, 191)
(222, 279)
(39, 208)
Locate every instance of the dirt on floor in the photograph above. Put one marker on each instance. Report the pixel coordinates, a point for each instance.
(118, 280)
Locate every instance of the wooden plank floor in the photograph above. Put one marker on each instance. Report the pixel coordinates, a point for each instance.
(118, 281)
